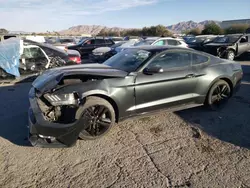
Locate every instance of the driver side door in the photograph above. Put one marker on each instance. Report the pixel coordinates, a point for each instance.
(172, 87)
(87, 48)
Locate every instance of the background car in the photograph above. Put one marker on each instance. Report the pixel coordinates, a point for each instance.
(117, 39)
(229, 46)
(37, 57)
(163, 41)
(61, 42)
(87, 45)
(101, 54)
(86, 100)
(198, 42)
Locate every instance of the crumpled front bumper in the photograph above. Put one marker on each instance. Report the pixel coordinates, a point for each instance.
(43, 133)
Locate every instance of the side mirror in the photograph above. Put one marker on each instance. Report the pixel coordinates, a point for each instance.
(152, 70)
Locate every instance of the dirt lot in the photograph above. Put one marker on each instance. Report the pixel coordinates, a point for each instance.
(190, 148)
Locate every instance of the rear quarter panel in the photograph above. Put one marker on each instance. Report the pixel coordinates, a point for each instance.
(215, 70)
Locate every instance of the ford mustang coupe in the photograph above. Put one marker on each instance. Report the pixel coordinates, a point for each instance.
(85, 101)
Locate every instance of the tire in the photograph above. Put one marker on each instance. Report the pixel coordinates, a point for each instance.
(89, 113)
(230, 55)
(218, 95)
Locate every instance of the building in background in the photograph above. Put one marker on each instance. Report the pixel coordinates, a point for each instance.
(229, 23)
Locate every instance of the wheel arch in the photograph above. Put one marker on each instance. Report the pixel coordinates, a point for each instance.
(226, 79)
(110, 100)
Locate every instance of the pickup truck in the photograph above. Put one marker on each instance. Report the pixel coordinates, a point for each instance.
(229, 46)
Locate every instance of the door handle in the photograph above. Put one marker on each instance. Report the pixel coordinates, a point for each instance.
(190, 76)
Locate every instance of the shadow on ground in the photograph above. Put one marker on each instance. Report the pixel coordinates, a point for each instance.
(231, 124)
(244, 57)
(13, 113)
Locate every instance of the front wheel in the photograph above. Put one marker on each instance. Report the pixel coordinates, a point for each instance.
(230, 55)
(218, 95)
(98, 116)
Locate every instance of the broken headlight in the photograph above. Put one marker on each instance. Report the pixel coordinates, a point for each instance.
(62, 99)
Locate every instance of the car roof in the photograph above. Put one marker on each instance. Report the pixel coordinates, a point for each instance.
(153, 48)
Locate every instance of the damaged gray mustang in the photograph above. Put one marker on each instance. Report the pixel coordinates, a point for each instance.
(85, 101)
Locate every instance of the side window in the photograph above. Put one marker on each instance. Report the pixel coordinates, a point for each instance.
(32, 53)
(172, 42)
(108, 41)
(89, 42)
(171, 60)
(199, 59)
(99, 41)
(160, 43)
(243, 39)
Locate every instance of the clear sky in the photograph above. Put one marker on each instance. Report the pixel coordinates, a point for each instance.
(44, 15)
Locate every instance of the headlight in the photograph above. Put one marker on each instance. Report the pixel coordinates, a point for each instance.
(62, 99)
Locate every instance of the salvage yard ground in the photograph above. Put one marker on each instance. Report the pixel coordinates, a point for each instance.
(190, 148)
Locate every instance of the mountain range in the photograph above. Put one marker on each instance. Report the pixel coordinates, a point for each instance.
(184, 26)
(89, 29)
(95, 29)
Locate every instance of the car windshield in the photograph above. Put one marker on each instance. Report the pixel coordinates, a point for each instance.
(197, 39)
(189, 39)
(226, 39)
(67, 40)
(118, 44)
(144, 42)
(117, 39)
(128, 60)
(82, 40)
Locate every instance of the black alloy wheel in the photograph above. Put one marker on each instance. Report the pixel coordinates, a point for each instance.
(219, 94)
(98, 116)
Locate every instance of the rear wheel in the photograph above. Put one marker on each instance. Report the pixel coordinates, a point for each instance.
(218, 95)
(230, 55)
(98, 116)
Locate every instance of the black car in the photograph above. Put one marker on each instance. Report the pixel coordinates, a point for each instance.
(86, 100)
(229, 46)
(198, 42)
(99, 55)
(86, 46)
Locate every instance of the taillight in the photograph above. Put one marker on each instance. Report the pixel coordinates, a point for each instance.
(76, 59)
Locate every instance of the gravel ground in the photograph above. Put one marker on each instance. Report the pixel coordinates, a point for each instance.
(190, 148)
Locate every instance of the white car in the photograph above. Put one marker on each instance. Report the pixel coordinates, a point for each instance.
(163, 41)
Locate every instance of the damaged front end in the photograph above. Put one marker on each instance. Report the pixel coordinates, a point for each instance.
(52, 121)
(55, 99)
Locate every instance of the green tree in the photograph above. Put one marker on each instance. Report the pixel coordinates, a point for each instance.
(158, 31)
(237, 28)
(3, 31)
(103, 32)
(212, 29)
(195, 31)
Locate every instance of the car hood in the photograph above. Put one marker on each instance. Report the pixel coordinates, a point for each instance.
(49, 79)
(218, 44)
(72, 46)
(73, 53)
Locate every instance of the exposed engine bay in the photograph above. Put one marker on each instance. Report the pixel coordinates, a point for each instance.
(62, 108)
